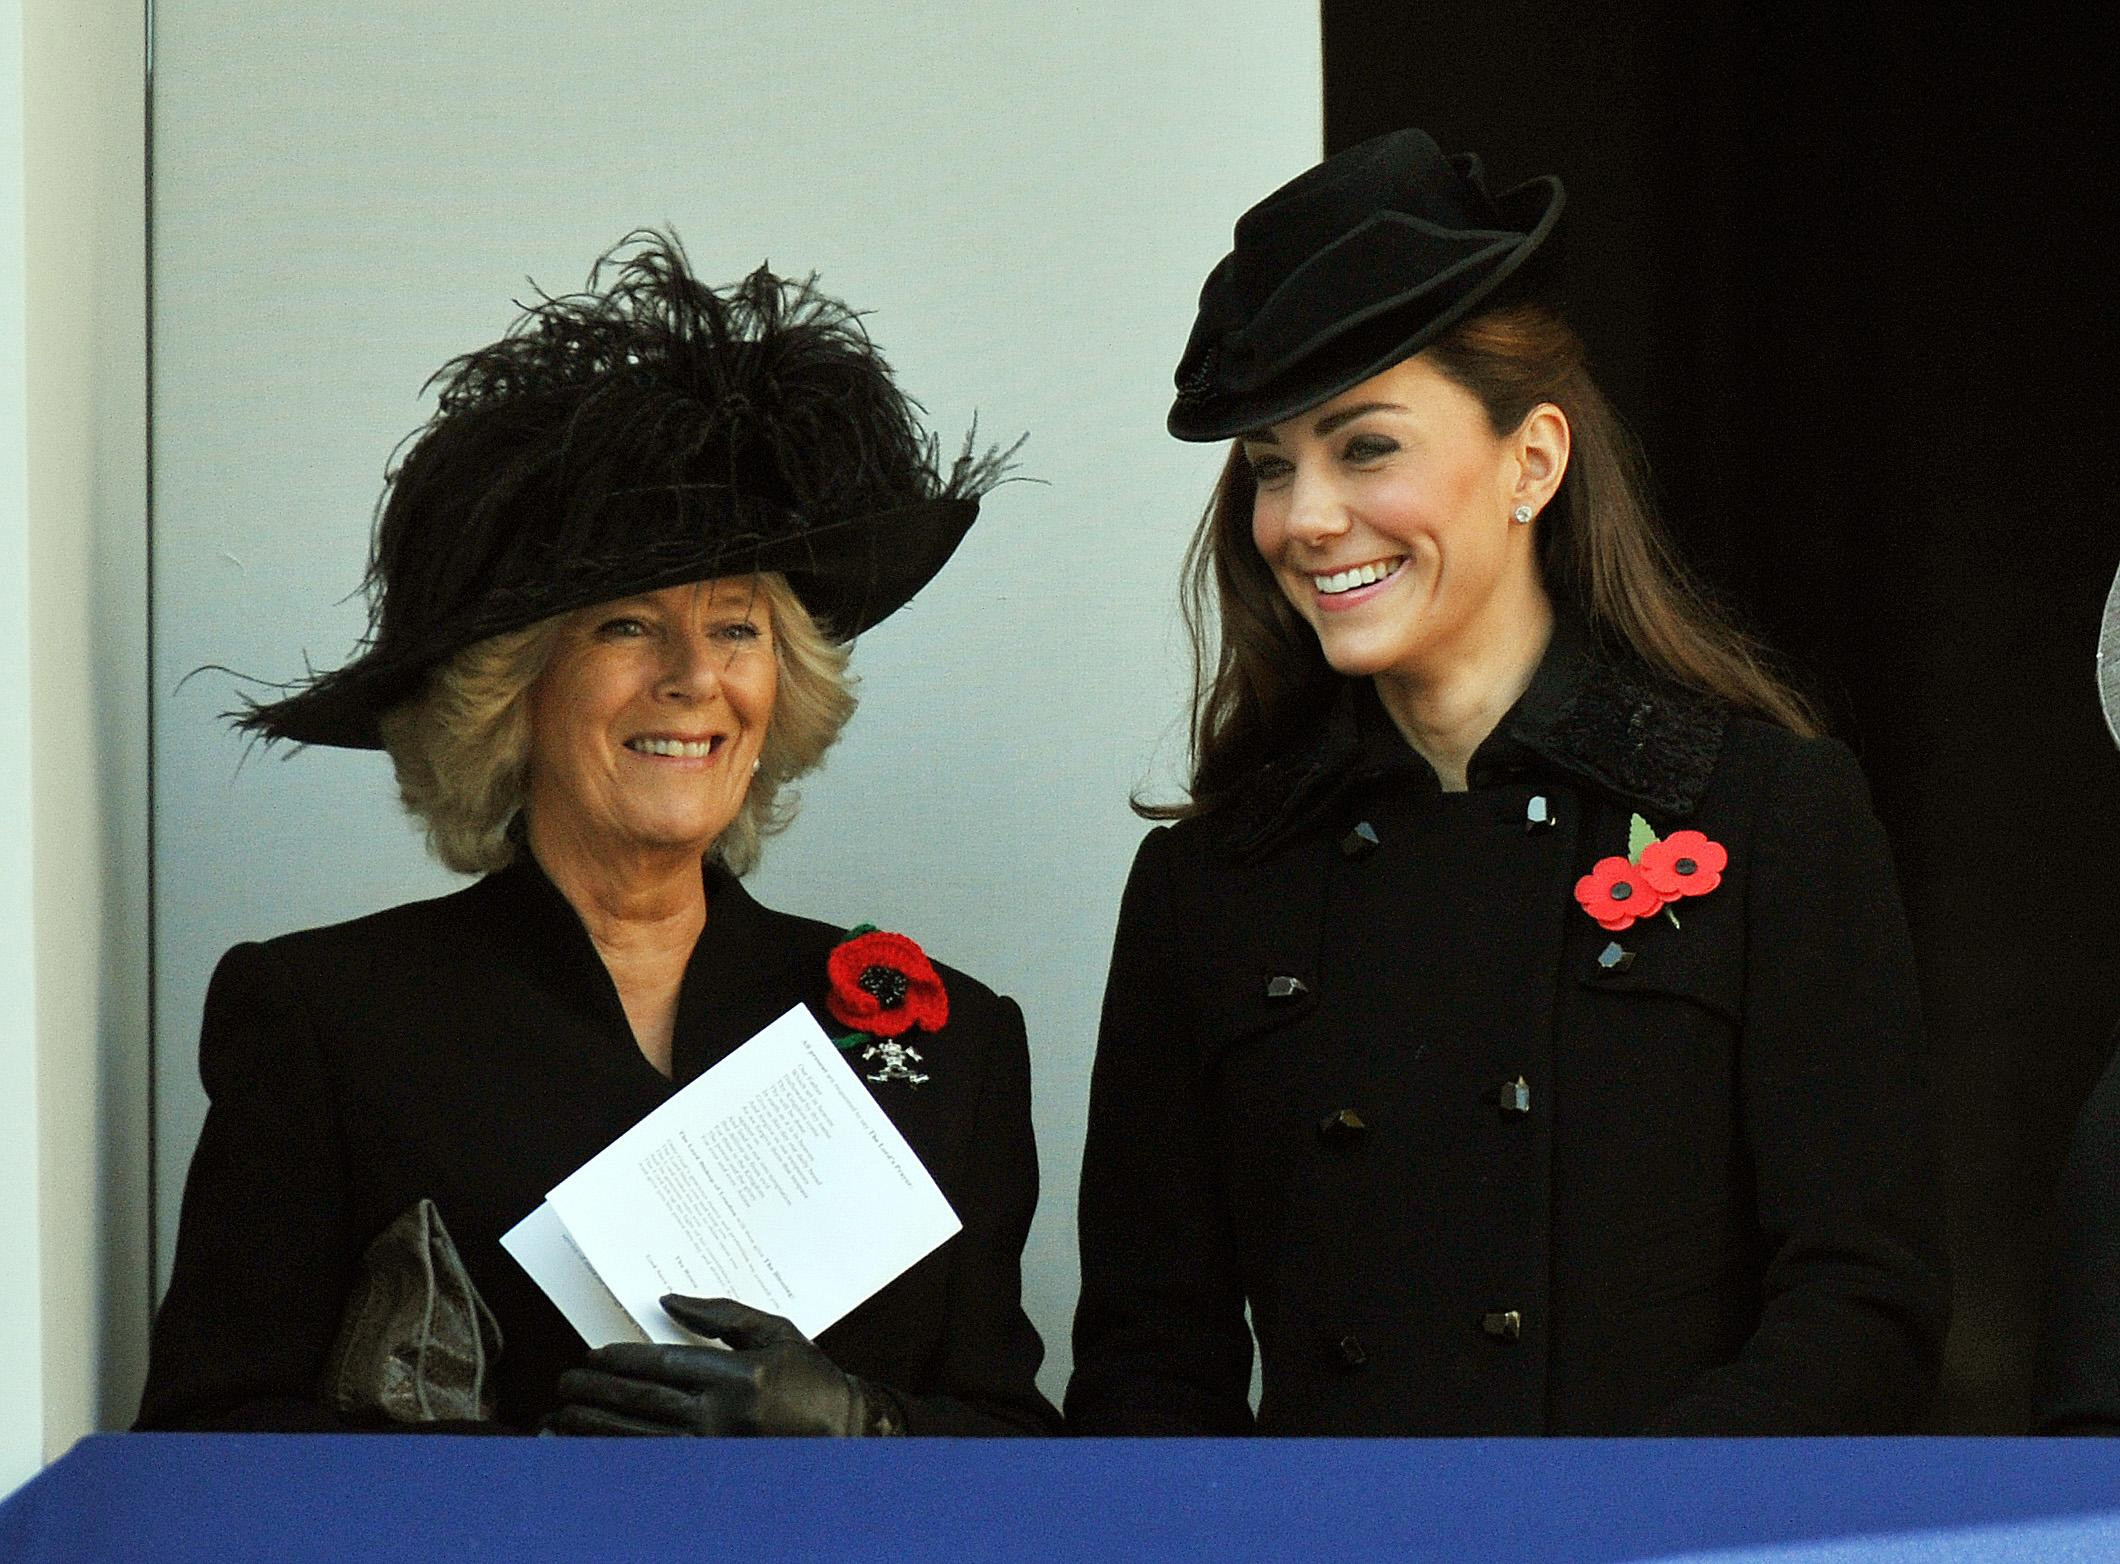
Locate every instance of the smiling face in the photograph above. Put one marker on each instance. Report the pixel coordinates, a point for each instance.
(646, 724)
(1385, 516)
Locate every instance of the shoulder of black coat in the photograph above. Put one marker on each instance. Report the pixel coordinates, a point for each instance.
(413, 926)
(1803, 772)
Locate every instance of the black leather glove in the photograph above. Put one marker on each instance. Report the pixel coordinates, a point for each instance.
(769, 1379)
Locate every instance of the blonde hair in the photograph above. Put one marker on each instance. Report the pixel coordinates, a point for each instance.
(461, 747)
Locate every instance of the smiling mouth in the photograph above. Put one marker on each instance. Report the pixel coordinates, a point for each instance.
(1359, 576)
(676, 749)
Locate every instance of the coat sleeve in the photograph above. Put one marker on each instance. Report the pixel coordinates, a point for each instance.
(2076, 1386)
(1835, 1113)
(1161, 1341)
(264, 1256)
(985, 1381)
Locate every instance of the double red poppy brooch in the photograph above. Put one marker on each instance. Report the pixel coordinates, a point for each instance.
(884, 987)
(1656, 872)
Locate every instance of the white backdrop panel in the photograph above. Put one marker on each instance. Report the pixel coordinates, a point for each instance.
(1024, 196)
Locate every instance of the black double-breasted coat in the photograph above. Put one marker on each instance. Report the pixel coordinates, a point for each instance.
(472, 1050)
(1469, 1162)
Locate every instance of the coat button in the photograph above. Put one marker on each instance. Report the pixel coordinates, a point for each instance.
(1360, 842)
(1337, 1129)
(1503, 1324)
(1614, 959)
(1514, 1096)
(1352, 1353)
(1538, 814)
(1286, 988)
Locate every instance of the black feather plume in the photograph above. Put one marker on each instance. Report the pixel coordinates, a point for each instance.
(657, 406)
(645, 427)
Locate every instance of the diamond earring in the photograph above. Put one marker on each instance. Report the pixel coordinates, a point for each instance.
(1521, 515)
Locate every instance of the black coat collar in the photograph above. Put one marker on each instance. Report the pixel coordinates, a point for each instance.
(748, 966)
(1645, 741)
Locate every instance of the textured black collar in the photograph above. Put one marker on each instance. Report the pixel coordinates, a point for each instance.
(1649, 743)
(749, 965)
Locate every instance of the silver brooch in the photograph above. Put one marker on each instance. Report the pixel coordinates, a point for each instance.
(898, 1061)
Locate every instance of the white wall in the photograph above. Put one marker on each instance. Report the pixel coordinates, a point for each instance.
(21, 1296)
(74, 1199)
(1025, 196)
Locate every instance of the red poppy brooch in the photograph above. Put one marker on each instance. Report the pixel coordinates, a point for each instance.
(884, 987)
(1656, 872)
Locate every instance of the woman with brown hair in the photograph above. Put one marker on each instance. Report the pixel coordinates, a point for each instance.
(1515, 1031)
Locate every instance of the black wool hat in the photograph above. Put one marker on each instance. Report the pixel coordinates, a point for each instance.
(637, 436)
(1345, 270)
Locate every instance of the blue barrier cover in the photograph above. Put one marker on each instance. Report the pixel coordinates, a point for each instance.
(179, 1497)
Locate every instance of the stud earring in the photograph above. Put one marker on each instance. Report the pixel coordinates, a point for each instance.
(1521, 515)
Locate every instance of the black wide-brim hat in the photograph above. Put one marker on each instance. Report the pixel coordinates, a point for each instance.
(646, 435)
(1349, 268)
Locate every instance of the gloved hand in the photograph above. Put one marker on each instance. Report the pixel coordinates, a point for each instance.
(769, 1379)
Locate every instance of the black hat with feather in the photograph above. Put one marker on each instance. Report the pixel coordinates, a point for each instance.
(638, 436)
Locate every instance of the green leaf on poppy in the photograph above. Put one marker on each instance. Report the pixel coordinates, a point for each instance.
(857, 931)
(1639, 835)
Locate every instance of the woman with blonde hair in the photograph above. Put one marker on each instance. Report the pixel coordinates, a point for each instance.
(1515, 1030)
(614, 579)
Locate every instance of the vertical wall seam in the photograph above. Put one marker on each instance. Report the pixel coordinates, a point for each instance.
(147, 519)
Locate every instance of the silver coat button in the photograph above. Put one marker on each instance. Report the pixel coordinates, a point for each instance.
(1361, 841)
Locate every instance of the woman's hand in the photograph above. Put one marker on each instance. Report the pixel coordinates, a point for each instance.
(768, 1379)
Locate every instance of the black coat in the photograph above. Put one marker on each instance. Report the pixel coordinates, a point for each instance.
(2076, 1386)
(1475, 1165)
(472, 1049)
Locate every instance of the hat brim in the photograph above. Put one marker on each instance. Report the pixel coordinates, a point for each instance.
(851, 575)
(1386, 333)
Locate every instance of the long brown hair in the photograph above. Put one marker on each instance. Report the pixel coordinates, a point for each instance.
(1599, 545)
